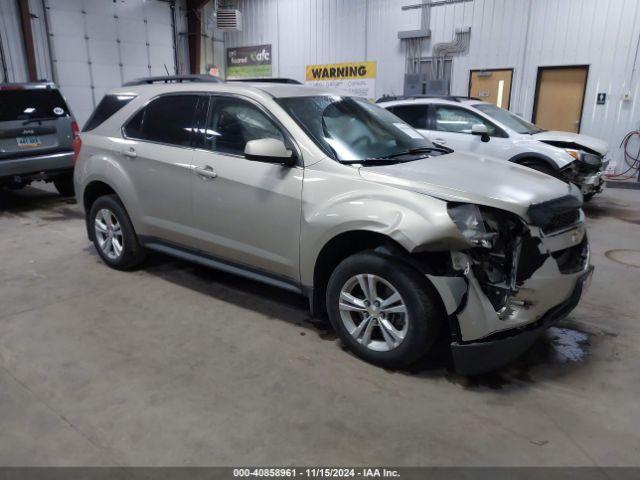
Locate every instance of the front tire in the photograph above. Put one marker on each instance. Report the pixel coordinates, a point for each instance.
(384, 311)
(113, 234)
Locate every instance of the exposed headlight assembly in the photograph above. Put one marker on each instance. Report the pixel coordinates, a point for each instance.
(468, 218)
(573, 152)
(584, 157)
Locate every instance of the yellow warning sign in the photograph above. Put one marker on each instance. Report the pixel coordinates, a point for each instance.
(341, 71)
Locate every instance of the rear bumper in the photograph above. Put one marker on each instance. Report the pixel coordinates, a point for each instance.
(500, 349)
(35, 166)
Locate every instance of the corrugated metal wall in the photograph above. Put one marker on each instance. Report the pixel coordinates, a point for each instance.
(212, 48)
(518, 34)
(13, 67)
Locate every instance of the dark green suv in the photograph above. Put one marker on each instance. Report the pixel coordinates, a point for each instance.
(39, 138)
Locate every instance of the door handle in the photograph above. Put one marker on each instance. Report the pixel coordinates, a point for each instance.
(441, 141)
(206, 173)
(131, 153)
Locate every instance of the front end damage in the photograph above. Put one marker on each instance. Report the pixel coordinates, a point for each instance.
(515, 280)
(587, 173)
(587, 170)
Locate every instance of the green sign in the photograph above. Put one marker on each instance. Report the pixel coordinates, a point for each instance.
(243, 62)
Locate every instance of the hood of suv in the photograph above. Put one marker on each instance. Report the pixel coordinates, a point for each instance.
(595, 144)
(462, 177)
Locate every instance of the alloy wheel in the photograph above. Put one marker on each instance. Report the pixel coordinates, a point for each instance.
(109, 233)
(373, 312)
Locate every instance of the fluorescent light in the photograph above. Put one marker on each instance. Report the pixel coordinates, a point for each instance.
(500, 93)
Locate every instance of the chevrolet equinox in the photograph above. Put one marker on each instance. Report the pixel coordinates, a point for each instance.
(399, 241)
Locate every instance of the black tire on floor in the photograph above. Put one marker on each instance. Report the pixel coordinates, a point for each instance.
(425, 312)
(133, 253)
(64, 185)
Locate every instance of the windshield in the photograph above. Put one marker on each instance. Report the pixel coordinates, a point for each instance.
(514, 122)
(349, 129)
(20, 104)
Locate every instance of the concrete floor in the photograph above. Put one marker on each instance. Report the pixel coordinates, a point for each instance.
(179, 365)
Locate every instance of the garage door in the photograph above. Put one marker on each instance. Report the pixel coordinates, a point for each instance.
(99, 44)
(12, 60)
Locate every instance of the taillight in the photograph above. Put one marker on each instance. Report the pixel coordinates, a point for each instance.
(76, 143)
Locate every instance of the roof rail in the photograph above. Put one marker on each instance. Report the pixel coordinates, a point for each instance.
(266, 80)
(173, 79)
(39, 84)
(453, 98)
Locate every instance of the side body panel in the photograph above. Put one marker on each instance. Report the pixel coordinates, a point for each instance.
(248, 213)
(154, 186)
(161, 176)
(336, 199)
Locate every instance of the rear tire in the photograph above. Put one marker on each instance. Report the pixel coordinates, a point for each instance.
(373, 325)
(113, 234)
(64, 185)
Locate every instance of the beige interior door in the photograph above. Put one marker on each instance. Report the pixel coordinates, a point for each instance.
(559, 98)
(493, 86)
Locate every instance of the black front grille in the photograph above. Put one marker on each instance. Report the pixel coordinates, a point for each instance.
(561, 221)
(557, 214)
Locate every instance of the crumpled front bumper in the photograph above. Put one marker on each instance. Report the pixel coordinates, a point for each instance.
(484, 339)
(593, 183)
(503, 347)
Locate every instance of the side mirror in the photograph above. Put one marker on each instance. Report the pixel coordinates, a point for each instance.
(481, 130)
(269, 150)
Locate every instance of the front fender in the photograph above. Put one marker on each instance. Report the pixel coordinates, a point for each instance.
(555, 157)
(336, 204)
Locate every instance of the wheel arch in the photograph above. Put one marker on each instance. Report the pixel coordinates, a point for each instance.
(351, 242)
(536, 157)
(92, 191)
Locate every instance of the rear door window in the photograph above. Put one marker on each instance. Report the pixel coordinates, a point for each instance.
(169, 119)
(31, 104)
(109, 105)
(414, 115)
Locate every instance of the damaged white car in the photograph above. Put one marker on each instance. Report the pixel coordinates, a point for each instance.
(469, 124)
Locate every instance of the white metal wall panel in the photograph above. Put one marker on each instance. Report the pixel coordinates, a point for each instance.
(99, 44)
(518, 34)
(40, 39)
(11, 41)
(212, 52)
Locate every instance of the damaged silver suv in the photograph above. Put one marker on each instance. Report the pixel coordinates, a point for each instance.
(401, 242)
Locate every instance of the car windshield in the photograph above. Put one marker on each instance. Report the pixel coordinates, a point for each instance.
(514, 122)
(351, 129)
(28, 104)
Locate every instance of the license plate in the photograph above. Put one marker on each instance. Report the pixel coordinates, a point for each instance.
(30, 141)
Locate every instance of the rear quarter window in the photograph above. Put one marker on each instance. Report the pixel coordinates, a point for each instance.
(109, 105)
